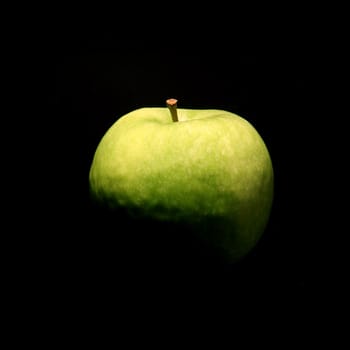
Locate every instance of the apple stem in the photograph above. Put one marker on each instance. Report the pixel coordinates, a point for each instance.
(172, 105)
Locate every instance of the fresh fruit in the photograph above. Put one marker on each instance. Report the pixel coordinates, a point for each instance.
(208, 170)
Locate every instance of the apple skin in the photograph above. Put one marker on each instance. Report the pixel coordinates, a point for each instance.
(210, 171)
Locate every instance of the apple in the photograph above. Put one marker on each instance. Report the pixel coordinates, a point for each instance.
(208, 170)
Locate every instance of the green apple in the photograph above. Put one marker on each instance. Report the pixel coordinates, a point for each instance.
(206, 169)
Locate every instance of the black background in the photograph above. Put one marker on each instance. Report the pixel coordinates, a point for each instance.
(102, 75)
(266, 69)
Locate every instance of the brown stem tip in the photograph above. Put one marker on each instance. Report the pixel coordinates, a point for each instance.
(172, 105)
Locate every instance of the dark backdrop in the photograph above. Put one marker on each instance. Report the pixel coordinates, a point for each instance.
(268, 74)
